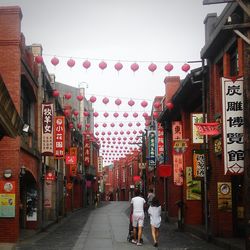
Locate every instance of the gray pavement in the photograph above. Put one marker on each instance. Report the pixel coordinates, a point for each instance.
(106, 228)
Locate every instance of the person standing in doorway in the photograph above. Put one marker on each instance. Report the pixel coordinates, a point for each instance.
(154, 212)
(138, 207)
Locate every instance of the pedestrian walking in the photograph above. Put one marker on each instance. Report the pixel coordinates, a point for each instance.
(150, 196)
(154, 212)
(138, 207)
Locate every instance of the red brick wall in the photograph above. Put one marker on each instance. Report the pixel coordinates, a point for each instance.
(10, 68)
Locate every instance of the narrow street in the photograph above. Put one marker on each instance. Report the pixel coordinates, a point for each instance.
(106, 228)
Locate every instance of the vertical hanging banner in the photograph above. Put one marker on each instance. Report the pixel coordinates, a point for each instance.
(233, 123)
(177, 130)
(178, 169)
(160, 140)
(47, 129)
(199, 163)
(177, 158)
(86, 152)
(73, 166)
(100, 164)
(196, 136)
(59, 137)
(151, 149)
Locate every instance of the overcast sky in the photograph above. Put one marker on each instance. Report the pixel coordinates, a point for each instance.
(128, 31)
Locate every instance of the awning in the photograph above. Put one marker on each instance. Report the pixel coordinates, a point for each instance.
(10, 122)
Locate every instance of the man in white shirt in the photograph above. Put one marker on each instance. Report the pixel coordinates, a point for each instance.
(138, 206)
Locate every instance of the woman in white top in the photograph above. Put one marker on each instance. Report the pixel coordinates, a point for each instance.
(154, 212)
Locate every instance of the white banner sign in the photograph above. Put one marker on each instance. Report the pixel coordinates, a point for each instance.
(233, 123)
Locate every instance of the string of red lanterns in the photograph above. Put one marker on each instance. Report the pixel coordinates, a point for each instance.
(118, 66)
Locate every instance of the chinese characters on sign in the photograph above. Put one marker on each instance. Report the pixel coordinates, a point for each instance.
(151, 149)
(177, 158)
(233, 122)
(100, 164)
(160, 134)
(47, 129)
(86, 152)
(73, 163)
(178, 169)
(199, 163)
(59, 139)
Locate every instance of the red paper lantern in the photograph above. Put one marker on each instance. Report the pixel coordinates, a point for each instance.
(130, 124)
(155, 115)
(86, 113)
(67, 96)
(169, 67)
(125, 115)
(79, 98)
(115, 114)
(170, 105)
(79, 125)
(144, 104)
(185, 67)
(96, 125)
(112, 124)
(92, 99)
(138, 124)
(121, 132)
(95, 114)
(103, 133)
(128, 132)
(135, 115)
(116, 133)
(106, 114)
(152, 67)
(39, 59)
(71, 125)
(109, 133)
(105, 100)
(121, 124)
(56, 93)
(157, 105)
(71, 63)
(131, 138)
(54, 61)
(118, 66)
(102, 65)
(86, 64)
(66, 112)
(75, 113)
(87, 125)
(131, 103)
(147, 123)
(104, 125)
(118, 101)
(145, 114)
(134, 67)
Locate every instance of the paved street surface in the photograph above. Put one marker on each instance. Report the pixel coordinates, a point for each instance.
(106, 228)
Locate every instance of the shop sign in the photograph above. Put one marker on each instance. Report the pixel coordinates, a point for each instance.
(233, 124)
(224, 194)
(70, 159)
(100, 164)
(7, 199)
(177, 130)
(196, 136)
(178, 169)
(50, 176)
(59, 137)
(160, 140)
(73, 162)
(47, 129)
(152, 148)
(199, 163)
(193, 189)
(86, 152)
